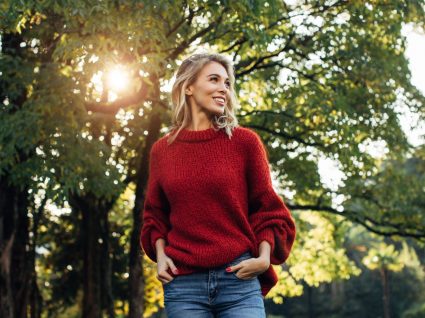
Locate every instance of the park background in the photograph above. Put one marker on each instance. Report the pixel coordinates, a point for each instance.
(334, 88)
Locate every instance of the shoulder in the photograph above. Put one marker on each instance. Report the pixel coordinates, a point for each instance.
(251, 144)
(248, 137)
(159, 146)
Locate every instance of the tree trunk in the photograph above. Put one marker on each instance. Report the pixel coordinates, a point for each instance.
(14, 265)
(95, 250)
(91, 264)
(21, 265)
(8, 220)
(337, 295)
(107, 294)
(386, 291)
(311, 313)
(13, 210)
(136, 279)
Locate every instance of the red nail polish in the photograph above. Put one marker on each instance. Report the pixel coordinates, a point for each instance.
(228, 269)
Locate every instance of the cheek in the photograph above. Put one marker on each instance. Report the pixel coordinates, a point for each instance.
(205, 94)
(208, 90)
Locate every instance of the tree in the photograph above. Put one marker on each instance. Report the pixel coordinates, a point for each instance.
(385, 259)
(315, 79)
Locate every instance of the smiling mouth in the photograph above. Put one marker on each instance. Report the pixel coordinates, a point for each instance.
(219, 101)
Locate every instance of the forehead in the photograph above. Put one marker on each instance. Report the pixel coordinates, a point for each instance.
(214, 68)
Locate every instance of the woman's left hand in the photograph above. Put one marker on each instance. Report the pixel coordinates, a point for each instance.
(250, 267)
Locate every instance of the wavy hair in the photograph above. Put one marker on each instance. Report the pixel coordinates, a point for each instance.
(186, 75)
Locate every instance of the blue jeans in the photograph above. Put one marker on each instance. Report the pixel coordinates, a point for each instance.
(214, 293)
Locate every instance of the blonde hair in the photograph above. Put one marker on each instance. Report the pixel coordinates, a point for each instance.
(187, 75)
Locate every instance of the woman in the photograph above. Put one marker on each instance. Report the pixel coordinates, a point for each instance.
(211, 219)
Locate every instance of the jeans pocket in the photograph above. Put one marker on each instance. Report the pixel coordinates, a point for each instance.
(252, 278)
(239, 259)
(166, 284)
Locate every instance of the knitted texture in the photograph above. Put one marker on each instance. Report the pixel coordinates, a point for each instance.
(211, 199)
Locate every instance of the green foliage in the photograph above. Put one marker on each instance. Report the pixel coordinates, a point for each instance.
(154, 294)
(319, 255)
(393, 196)
(417, 311)
(60, 260)
(383, 256)
(316, 79)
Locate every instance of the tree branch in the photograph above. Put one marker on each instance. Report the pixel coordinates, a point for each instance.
(185, 44)
(286, 136)
(399, 229)
(256, 63)
(115, 106)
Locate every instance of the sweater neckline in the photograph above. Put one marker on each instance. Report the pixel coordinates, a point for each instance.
(198, 135)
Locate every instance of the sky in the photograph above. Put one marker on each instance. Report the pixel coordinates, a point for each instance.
(415, 53)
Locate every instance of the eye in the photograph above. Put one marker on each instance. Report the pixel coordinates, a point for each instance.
(215, 79)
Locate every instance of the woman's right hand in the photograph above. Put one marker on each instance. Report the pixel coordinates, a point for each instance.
(163, 263)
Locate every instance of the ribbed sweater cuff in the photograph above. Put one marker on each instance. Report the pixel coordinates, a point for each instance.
(266, 234)
(155, 235)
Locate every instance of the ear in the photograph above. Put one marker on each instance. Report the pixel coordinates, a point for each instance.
(188, 91)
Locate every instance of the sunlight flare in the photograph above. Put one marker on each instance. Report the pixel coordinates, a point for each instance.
(118, 79)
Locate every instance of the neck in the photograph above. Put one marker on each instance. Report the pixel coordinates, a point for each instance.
(199, 127)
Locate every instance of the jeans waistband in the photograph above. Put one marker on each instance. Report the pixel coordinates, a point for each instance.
(242, 257)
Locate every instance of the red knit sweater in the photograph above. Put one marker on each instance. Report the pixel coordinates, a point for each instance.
(211, 199)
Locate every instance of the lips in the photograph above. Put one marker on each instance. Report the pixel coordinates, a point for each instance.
(219, 100)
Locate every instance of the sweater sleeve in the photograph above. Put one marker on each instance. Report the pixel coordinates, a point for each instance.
(156, 210)
(269, 217)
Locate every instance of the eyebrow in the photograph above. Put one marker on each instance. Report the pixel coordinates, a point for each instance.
(216, 75)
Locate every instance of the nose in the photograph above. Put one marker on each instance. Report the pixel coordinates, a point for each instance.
(223, 88)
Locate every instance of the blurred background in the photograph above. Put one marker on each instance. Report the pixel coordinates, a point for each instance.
(334, 88)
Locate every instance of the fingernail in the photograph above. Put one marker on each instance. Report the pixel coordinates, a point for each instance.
(228, 269)
(175, 271)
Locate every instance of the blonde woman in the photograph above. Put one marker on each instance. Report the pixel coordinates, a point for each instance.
(212, 221)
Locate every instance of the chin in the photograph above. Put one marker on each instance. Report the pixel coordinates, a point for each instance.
(215, 110)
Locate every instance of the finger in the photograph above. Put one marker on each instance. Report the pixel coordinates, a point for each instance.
(172, 266)
(165, 276)
(164, 281)
(245, 276)
(244, 273)
(233, 268)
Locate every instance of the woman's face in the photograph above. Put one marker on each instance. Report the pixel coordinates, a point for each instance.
(210, 92)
